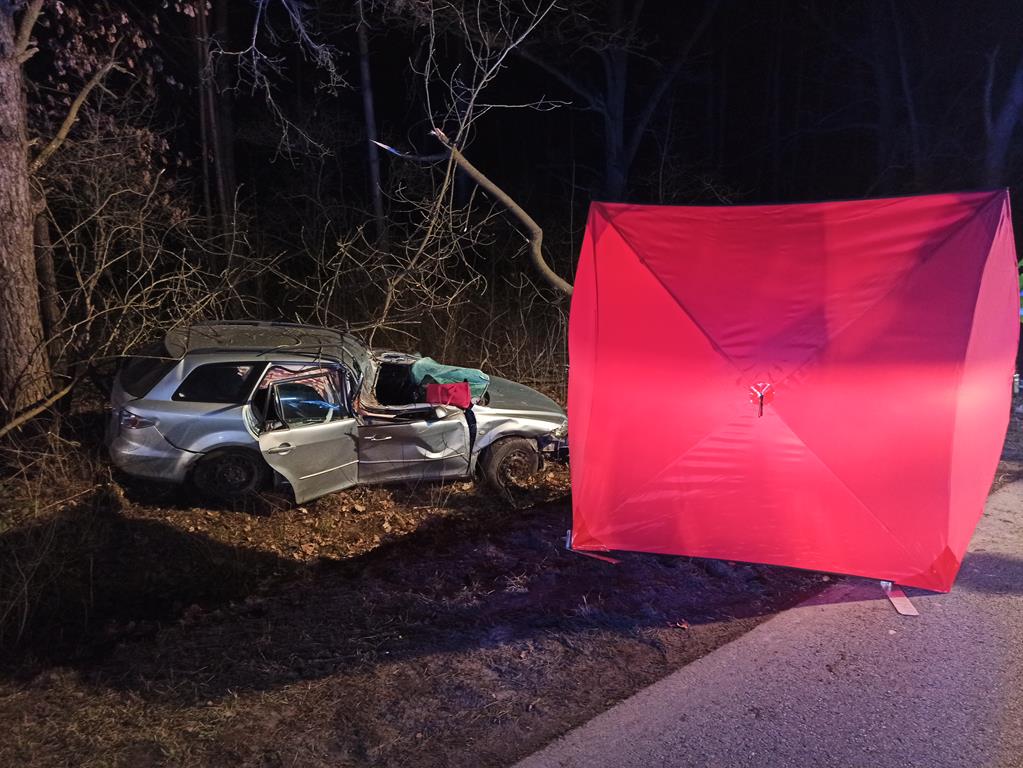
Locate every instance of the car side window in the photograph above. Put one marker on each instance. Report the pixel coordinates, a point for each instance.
(145, 369)
(307, 400)
(219, 383)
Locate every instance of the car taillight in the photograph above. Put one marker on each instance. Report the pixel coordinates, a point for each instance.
(131, 420)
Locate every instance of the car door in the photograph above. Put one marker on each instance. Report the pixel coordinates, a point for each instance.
(309, 436)
(424, 444)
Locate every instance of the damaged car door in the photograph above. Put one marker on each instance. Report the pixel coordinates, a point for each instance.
(309, 435)
(428, 443)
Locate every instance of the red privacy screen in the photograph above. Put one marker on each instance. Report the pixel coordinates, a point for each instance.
(825, 386)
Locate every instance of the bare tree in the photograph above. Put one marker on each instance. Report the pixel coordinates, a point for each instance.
(261, 70)
(618, 45)
(455, 100)
(39, 321)
(24, 368)
(369, 115)
(1002, 115)
(136, 258)
(216, 120)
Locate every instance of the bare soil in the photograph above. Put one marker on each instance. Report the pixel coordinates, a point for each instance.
(431, 626)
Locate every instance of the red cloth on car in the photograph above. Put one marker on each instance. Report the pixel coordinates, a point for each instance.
(825, 386)
(458, 394)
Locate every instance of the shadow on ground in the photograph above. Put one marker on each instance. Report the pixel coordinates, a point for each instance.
(80, 581)
(149, 604)
(991, 573)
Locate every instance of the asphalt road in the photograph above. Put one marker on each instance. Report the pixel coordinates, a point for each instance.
(843, 680)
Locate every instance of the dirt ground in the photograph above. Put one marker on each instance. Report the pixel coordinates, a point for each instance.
(434, 626)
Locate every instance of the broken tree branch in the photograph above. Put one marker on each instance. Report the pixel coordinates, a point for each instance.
(69, 119)
(31, 413)
(23, 48)
(535, 231)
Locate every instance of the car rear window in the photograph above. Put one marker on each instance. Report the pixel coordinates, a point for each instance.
(219, 383)
(144, 370)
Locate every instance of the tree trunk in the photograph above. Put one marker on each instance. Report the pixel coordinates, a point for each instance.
(47, 276)
(222, 124)
(616, 170)
(24, 371)
(202, 56)
(369, 115)
(776, 109)
(1000, 124)
(886, 129)
(216, 130)
(915, 152)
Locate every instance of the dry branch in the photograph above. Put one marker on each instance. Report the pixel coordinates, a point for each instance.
(31, 413)
(23, 48)
(69, 120)
(534, 229)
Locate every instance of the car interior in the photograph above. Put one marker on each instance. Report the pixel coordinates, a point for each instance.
(397, 394)
(310, 398)
(394, 393)
(301, 403)
(395, 385)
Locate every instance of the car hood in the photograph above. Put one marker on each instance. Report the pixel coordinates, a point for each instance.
(508, 395)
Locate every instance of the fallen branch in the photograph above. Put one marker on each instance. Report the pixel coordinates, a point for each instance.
(34, 411)
(535, 231)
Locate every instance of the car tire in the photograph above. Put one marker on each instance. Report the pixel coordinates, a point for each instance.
(508, 463)
(231, 473)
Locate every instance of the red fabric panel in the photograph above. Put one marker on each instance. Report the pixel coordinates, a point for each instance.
(806, 369)
(983, 404)
(457, 394)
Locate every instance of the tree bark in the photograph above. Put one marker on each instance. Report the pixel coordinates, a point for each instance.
(886, 129)
(221, 105)
(915, 154)
(369, 115)
(24, 369)
(1000, 123)
(616, 164)
(216, 127)
(206, 142)
(47, 275)
(776, 107)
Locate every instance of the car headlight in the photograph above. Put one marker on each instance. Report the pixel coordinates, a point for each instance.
(561, 432)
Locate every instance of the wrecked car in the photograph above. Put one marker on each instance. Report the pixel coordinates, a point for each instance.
(233, 407)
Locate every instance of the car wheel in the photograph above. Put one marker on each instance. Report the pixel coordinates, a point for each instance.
(509, 463)
(230, 473)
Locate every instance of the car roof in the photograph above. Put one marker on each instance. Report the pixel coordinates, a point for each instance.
(264, 340)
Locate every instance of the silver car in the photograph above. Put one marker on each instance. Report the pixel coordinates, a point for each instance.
(229, 407)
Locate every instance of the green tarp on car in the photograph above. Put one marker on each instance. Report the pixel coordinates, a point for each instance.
(426, 370)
